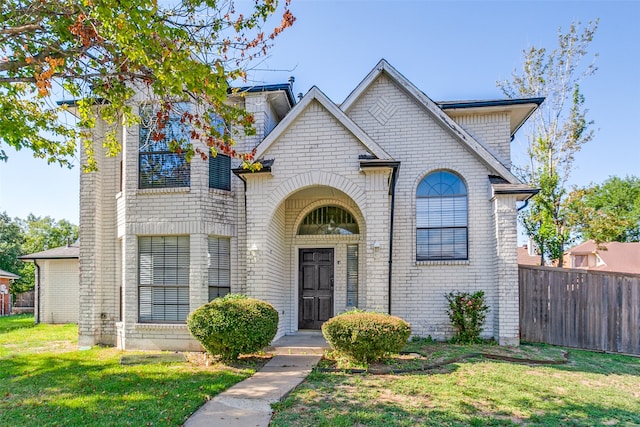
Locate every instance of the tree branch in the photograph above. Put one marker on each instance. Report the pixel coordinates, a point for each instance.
(14, 31)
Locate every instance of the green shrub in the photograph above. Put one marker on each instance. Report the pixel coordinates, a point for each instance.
(234, 324)
(364, 336)
(467, 313)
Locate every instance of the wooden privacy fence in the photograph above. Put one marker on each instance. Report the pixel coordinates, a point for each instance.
(23, 303)
(582, 309)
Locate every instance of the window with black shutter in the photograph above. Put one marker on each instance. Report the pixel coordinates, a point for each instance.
(159, 166)
(163, 283)
(441, 218)
(220, 172)
(219, 267)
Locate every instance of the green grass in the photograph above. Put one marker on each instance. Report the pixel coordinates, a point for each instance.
(592, 389)
(18, 321)
(46, 381)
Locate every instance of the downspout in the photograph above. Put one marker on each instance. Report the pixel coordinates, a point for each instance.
(36, 294)
(246, 235)
(526, 203)
(392, 190)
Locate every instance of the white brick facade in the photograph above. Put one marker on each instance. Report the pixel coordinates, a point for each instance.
(322, 156)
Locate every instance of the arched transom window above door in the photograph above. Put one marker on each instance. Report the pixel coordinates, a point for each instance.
(328, 220)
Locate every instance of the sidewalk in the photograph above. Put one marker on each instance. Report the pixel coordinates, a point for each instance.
(248, 403)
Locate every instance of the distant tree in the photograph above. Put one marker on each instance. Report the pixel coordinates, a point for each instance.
(559, 130)
(42, 233)
(103, 52)
(607, 212)
(35, 234)
(11, 240)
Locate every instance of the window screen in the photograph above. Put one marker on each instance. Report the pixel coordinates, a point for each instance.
(159, 166)
(219, 267)
(163, 278)
(441, 217)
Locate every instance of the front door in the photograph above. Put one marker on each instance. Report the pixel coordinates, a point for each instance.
(315, 288)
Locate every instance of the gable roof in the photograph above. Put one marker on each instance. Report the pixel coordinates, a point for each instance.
(316, 94)
(616, 256)
(63, 252)
(475, 146)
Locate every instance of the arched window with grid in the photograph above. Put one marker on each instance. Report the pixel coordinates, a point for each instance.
(441, 218)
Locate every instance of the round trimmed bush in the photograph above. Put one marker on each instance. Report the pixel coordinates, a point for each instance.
(233, 325)
(366, 336)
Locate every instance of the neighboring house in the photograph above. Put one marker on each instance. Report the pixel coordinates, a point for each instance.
(56, 284)
(384, 202)
(5, 296)
(614, 256)
(527, 255)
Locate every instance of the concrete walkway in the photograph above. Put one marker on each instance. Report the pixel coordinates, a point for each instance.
(248, 403)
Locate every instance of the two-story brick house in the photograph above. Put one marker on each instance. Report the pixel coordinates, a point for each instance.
(385, 202)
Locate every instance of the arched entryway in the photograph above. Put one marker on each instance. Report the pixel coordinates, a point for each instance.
(316, 266)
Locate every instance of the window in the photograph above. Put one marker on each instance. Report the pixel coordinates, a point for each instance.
(163, 278)
(220, 172)
(159, 166)
(219, 267)
(441, 217)
(580, 261)
(328, 220)
(352, 275)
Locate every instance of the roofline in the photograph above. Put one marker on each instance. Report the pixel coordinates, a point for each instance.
(447, 123)
(532, 191)
(29, 258)
(241, 171)
(376, 163)
(286, 87)
(445, 105)
(496, 103)
(316, 94)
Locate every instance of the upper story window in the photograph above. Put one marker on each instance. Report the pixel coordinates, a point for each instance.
(159, 166)
(220, 165)
(328, 220)
(220, 172)
(441, 218)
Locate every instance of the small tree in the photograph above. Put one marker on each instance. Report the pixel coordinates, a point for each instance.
(560, 128)
(467, 313)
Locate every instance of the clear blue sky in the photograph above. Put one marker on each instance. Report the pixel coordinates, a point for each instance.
(451, 50)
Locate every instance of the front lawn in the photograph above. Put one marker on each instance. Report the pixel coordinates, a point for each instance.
(590, 389)
(46, 381)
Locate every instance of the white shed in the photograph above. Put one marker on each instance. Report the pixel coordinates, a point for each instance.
(56, 284)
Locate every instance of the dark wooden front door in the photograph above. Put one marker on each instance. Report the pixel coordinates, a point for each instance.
(315, 288)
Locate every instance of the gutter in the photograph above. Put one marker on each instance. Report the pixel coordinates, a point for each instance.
(36, 294)
(392, 190)
(246, 235)
(394, 165)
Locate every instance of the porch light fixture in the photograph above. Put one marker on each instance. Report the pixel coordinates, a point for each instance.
(376, 246)
(253, 252)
